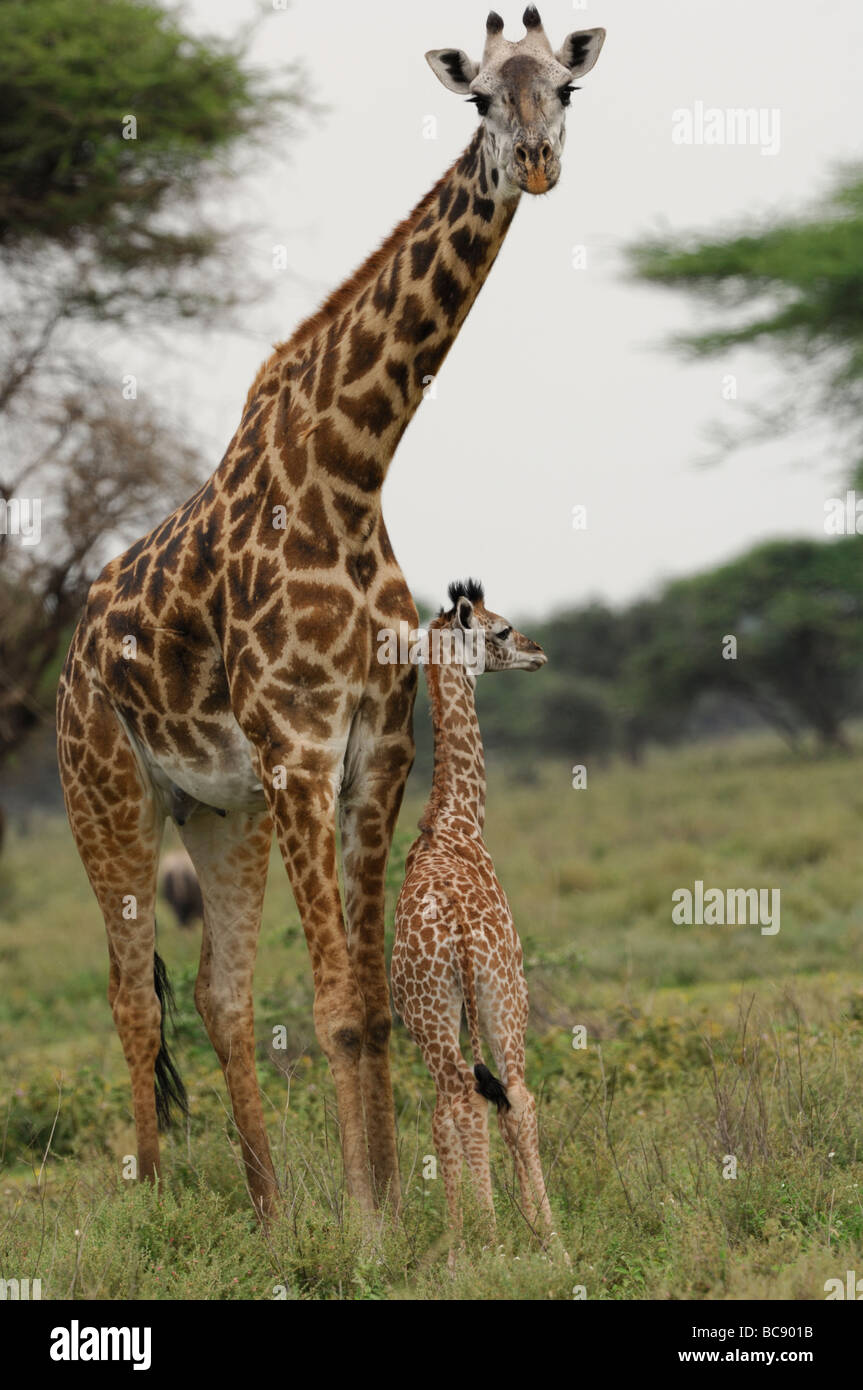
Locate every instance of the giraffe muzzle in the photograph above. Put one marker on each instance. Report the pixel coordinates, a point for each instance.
(532, 657)
(537, 168)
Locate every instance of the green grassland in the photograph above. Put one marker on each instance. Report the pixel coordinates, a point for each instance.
(701, 1042)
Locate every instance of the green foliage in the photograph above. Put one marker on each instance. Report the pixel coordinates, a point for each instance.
(814, 266)
(69, 76)
(793, 286)
(40, 1113)
(796, 611)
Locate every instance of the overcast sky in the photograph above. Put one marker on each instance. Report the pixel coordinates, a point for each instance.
(559, 391)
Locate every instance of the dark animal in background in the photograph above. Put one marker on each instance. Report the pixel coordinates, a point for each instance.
(180, 887)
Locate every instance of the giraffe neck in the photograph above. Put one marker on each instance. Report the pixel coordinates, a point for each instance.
(457, 800)
(336, 398)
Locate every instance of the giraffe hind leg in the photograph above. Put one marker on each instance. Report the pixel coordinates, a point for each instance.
(460, 1124)
(117, 821)
(519, 1129)
(505, 1028)
(449, 1152)
(470, 1113)
(231, 857)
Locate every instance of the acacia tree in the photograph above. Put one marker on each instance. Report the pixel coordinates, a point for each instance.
(111, 117)
(115, 122)
(793, 287)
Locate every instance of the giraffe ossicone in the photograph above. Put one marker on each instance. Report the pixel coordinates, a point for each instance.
(238, 637)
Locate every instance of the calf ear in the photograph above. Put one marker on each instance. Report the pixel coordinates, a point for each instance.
(453, 68)
(581, 50)
(464, 614)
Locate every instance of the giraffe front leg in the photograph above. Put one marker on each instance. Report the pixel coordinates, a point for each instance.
(369, 805)
(303, 810)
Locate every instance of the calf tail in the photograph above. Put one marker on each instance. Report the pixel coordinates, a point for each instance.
(487, 1084)
(490, 1088)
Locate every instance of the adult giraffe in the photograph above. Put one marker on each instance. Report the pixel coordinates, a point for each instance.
(224, 671)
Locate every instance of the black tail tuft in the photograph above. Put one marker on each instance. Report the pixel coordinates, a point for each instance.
(489, 1087)
(170, 1090)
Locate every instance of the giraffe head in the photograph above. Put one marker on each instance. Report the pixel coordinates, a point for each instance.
(521, 91)
(501, 647)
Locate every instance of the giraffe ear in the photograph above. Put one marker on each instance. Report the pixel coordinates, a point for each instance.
(581, 50)
(453, 68)
(464, 614)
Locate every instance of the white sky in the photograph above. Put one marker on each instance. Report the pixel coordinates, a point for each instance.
(558, 391)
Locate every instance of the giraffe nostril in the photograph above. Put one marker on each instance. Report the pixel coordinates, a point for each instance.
(521, 153)
(545, 151)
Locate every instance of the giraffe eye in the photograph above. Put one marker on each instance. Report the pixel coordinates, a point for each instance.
(482, 103)
(503, 634)
(566, 92)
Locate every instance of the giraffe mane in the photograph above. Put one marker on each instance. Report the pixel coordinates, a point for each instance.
(345, 293)
(466, 588)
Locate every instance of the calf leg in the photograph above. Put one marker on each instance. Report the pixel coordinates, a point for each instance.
(519, 1129)
(449, 1152)
(460, 1122)
(470, 1113)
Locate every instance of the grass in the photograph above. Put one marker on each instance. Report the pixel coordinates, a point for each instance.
(707, 1049)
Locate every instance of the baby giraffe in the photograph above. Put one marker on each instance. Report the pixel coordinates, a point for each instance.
(455, 939)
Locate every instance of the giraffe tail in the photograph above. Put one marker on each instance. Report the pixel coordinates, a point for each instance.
(487, 1084)
(490, 1088)
(170, 1090)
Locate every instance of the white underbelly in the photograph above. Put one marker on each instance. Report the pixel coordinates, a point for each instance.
(227, 783)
